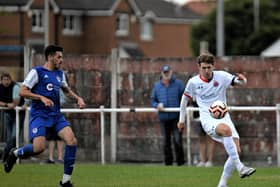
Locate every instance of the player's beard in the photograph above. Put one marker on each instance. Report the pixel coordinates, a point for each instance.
(57, 66)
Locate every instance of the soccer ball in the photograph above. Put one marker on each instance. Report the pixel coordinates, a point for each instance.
(218, 109)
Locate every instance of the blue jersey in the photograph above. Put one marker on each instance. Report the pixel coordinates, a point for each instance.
(46, 83)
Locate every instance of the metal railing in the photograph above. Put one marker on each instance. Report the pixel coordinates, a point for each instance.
(103, 110)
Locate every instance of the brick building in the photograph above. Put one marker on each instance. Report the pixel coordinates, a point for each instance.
(150, 28)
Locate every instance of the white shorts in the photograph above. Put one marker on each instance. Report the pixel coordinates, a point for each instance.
(209, 125)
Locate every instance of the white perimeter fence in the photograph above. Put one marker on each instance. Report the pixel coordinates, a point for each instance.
(103, 110)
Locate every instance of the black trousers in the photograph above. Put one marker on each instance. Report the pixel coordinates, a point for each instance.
(171, 133)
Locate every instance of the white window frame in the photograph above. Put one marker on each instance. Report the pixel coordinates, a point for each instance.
(39, 20)
(122, 25)
(146, 32)
(72, 24)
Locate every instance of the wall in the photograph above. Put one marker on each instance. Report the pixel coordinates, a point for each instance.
(139, 137)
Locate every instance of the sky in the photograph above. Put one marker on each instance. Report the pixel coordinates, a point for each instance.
(179, 1)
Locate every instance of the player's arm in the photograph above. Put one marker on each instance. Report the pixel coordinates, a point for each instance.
(25, 90)
(183, 104)
(69, 93)
(26, 93)
(239, 79)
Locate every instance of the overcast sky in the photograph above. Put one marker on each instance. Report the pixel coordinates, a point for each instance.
(179, 1)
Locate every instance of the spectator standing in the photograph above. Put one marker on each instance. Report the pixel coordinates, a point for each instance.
(9, 98)
(55, 141)
(206, 144)
(167, 92)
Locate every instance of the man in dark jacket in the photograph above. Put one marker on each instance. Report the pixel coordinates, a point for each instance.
(9, 98)
(167, 92)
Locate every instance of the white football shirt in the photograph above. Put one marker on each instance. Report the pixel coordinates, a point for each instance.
(206, 92)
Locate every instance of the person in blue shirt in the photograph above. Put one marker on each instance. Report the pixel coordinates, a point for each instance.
(167, 92)
(42, 86)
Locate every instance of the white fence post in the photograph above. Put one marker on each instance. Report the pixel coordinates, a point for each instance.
(17, 128)
(188, 126)
(278, 133)
(102, 121)
(114, 77)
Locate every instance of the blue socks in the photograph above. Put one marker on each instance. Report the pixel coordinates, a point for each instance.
(25, 151)
(69, 159)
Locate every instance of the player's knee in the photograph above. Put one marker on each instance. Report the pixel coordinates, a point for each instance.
(227, 132)
(72, 141)
(224, 130)
(39, 148)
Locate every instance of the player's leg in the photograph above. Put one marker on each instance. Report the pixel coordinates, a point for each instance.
(37, 134)
(232, 147)
(229, 144)
(26, 151)
(227, 172)
(70, 140)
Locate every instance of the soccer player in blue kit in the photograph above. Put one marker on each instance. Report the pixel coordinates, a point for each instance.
(42, 86)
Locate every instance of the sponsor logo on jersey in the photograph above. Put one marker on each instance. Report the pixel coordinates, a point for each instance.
(205, 97)
(50, 87)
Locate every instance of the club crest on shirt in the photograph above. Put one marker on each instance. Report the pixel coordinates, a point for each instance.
(34, 130)
(215, 84)
(50, 87)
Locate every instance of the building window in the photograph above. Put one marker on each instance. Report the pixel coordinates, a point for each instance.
(72, 25)
(37, 21)
(122, 25)
(146, 33)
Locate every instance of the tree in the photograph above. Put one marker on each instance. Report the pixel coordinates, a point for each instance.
(241, 38)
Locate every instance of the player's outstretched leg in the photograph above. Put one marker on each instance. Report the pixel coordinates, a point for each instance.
(10, 161)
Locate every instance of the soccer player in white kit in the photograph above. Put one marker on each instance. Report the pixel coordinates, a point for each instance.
(207, 87)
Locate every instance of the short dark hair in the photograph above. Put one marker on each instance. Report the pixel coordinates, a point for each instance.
(51, 50)
(5, 74)
(206, 58)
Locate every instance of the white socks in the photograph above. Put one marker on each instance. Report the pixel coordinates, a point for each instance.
(227, 172)
(232, 152)
(65, 178)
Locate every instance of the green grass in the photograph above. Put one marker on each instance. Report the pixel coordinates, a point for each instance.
(131, 175)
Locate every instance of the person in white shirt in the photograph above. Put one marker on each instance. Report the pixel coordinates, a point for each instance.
(206, 87)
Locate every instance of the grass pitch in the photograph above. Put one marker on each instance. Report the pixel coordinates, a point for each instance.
(131, 175)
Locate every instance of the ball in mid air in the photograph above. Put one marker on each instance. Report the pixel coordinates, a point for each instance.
(218, 109)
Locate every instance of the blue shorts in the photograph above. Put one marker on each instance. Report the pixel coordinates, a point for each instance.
(39, 124)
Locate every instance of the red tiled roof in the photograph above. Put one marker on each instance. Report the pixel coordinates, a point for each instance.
(202, 7)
